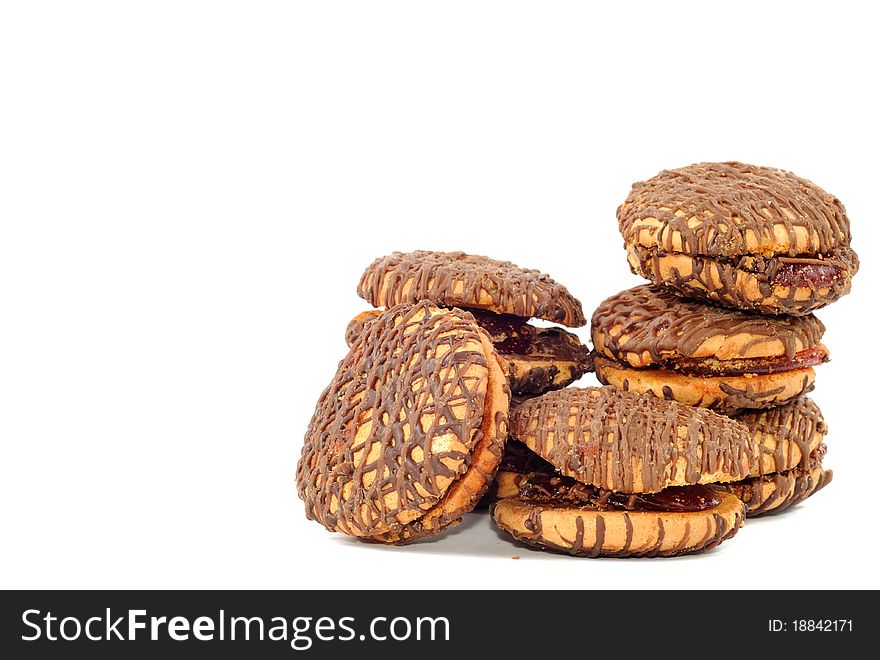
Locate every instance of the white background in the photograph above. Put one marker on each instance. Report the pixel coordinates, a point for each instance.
(190, 191)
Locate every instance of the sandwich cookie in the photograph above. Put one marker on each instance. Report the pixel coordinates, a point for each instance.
(502, 297)
(791, 446)
(407, 436)
(630, 475)
(753, 238)
(647, 339)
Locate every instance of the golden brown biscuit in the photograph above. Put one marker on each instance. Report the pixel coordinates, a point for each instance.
(723, 394)
(506, 484)
(538, 359)
(632, 443)
(585, 530)
(407, 436)
(649, 340)
(750, 237)
(456, 279)
(776, 492)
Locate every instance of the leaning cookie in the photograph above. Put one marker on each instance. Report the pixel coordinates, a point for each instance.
(633, 443)
(788, 446)
(626, 475)
(647, 339)
(754, 238)
(538, 359)
(407, 436)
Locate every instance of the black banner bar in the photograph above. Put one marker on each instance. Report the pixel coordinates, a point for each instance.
(277, 624)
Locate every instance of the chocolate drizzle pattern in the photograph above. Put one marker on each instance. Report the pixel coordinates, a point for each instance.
(798, 425)
(712, 206)
(773, 493)
(732, 396)
(617, 440)
(462, 280)
(533, 532)
(652, 320)
(753, 396)
(538, 359)
(394, 428)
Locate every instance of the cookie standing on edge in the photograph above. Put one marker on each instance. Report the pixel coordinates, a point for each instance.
(647, 339)
(501, 296)
(632, 470)
(755, 238)
(407, 436)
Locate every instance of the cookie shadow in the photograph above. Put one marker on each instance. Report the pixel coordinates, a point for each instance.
(470, 538)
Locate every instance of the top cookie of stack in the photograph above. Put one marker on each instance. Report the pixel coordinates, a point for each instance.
(753, 238)
(456, 279)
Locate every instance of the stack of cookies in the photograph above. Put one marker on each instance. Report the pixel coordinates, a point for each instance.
(739, 257)
(449, 394)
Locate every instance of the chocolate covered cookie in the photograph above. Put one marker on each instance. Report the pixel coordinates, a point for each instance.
(456, 279)
(408, 434)
(754, 238)
(502, 297)
(790, 442)
(622, 475)
(538, 359)
(632, 443)
(648, 339)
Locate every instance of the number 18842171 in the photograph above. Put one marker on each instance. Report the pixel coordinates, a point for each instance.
(811, 625)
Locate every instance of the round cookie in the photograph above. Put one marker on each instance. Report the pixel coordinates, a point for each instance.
(456, 279)
(538, 359)
(649, 340)
(408, 434)
(743, 236)
(773, 493)
(583, 530)
(632, 443)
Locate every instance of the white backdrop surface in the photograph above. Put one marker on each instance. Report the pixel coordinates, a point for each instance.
(189, 192)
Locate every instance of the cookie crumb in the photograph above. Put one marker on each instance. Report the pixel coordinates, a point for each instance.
(515, 557)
